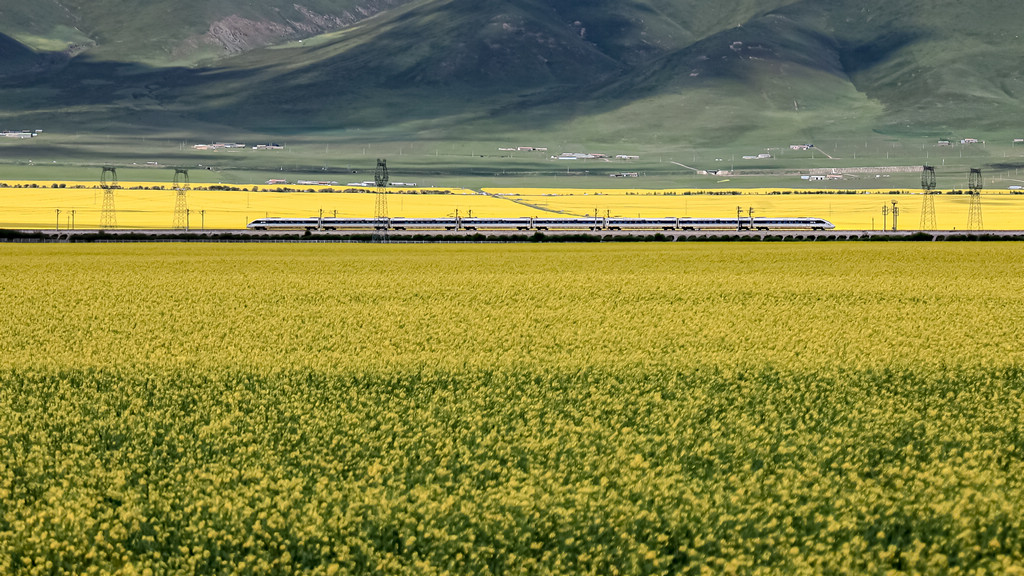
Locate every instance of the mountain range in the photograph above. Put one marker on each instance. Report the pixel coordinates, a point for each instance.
(681, 72)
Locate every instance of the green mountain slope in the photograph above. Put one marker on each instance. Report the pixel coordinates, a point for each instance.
(43, 25)
(948, 65)
(179, 32)
(438, 57)
(451, 59)
(664, 71)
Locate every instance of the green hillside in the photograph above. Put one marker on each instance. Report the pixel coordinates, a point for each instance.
(181, 32)
(652, 74)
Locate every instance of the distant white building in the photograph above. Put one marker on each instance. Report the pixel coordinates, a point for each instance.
(217, 146)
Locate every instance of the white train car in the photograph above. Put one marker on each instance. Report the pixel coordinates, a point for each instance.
(707, 224)
(790, 224)
(345, 223)
(496, 223)
(641, 223)
(311, 223)
(283, 224)
(754, 224)
(424, 224)
(568, 223)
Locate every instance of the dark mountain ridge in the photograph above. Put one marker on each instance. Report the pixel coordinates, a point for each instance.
(458, 66)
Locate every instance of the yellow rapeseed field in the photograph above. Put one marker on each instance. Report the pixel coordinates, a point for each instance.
(745, 408)
(218, 209)
(36, 207)
(855, 211)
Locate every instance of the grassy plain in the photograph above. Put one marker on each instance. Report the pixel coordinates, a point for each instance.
(474, 162)
(675, 409)
(233, 209)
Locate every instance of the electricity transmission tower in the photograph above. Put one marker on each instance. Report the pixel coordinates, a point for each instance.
(108, 181)
(928, 206)
(181, 187)
(380, 209)
(974, 182)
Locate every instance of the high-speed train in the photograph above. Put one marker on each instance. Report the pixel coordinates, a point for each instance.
(574, 223)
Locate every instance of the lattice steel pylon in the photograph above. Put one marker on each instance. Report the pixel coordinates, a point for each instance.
(974, 182)
(928, 205)
(380, 209)
(108, 181)
(181, 187)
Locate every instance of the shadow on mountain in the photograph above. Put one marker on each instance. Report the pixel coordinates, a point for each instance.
(866, 55)
(460, 68)
(18, 61)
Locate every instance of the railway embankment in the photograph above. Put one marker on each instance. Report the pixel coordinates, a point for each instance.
(510, 236)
